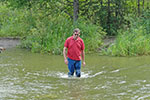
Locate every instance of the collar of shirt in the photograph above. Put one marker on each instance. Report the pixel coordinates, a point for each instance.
(74, 39)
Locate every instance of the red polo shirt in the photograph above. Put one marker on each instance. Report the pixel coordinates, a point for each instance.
(74, 47)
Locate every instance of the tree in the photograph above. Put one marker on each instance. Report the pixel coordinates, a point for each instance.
(75, 10)
(138, 7)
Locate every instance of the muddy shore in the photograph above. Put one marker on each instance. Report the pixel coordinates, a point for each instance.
(9, 42)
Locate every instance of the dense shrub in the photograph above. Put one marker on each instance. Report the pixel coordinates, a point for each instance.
(13, 22)
(51, 32)
(134, 40)
(44, 30)
(52, 29)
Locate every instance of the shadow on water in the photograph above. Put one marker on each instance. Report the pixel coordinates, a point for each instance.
(31, 76)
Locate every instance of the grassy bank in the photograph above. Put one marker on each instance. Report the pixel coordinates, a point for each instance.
(134, 40)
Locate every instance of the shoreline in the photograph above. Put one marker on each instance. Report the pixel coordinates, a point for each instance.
(9, 42)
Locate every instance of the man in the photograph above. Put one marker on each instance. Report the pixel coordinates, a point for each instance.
(75, 53)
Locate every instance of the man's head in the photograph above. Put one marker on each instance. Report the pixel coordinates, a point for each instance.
(76, 33)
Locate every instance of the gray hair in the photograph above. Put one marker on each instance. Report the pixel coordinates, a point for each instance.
(76, 30)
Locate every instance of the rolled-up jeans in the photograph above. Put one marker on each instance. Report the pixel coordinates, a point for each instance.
(74, 66)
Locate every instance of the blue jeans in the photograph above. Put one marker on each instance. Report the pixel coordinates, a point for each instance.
(74, 65)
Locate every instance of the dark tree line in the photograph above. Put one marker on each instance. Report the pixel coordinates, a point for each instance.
(107, 13)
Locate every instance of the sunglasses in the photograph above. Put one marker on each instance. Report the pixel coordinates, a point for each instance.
(76, 34)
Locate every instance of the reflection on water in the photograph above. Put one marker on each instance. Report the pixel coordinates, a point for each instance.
(31, 76)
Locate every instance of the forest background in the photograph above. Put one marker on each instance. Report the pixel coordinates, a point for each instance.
(44, 25)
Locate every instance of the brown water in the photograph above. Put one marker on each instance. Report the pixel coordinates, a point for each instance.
(30, 76)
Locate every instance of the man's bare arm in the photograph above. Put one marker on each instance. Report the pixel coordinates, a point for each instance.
(83, 57)
(65, 57)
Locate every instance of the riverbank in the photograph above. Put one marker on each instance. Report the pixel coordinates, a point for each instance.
(9, 42)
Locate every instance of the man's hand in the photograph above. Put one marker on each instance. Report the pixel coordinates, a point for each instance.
(83, 63)
(66, 61)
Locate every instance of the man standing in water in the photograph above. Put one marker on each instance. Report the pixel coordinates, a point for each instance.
(75, 53)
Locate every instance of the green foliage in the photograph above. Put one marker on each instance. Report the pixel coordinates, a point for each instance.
(19, 22)
(13, 22)
(109, 17)
(51, 30)
(145, 20)
(43, 30)
(135, 40)
(106, 13)
(45, 24)
(92, 35)
(50, 34)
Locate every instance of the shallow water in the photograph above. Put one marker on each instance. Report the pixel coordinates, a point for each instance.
(31, 76)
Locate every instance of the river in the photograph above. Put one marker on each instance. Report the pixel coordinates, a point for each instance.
(33, 76)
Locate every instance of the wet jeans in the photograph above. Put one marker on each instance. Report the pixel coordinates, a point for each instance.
(74, 65)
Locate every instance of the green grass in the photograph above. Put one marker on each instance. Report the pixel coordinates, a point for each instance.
(133, 41)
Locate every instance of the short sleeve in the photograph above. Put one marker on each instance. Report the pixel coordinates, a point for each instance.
(66, 43)
(82, 48)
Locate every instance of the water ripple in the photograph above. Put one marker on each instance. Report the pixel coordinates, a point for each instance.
(143, 97)
(5, 65)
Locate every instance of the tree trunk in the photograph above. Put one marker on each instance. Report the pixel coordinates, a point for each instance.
(108, 18)
(76, 10)
(101, 2)
(138, 7)
(143, 4)
(116, 9)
